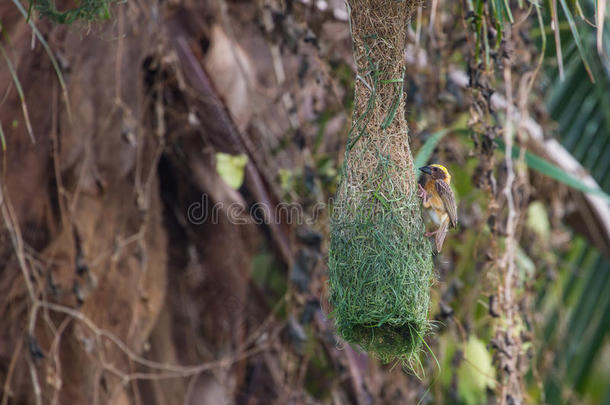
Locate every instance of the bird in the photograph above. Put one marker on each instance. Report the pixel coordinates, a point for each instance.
(439, 201)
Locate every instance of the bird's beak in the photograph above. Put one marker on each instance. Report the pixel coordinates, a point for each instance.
(426, 169)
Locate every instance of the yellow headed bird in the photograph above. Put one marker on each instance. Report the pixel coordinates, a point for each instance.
(439, 201)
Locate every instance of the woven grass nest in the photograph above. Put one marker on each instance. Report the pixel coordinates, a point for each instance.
(380, 264)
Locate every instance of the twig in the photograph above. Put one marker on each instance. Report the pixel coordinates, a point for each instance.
(555, 26)
(509, 363)
(189, 371)
(55, 350)
(12, 225)
(172, 370)
(119, 54)
(16, 239)
(56, 164)
(509, 256)
(9, 373)
(431, 25)
(24, 106)
(46, 47)
(35, 383)
(190, 388)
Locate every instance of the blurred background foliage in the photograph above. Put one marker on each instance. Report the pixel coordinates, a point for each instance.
(455, 58)
(564, 278)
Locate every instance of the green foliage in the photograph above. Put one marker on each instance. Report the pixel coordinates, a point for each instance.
(287, 179)
(579, 106)
(426, 150)
(326, 170)
(576, 37)
(538, 220)
(580, 109)
(87, 10)
(270, 277)
(574, 305)
(476, 373)
(320, 374)
(533, 161)
(577, 337)
(231, 168)
(542, 166)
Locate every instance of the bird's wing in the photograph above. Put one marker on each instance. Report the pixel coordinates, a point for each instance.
(446, 194)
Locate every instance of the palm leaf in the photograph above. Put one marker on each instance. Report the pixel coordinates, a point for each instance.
(424, 153)
(533, 161)
(542, 166)
(576, 36)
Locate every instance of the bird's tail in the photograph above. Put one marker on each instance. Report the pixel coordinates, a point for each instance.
(439, 236)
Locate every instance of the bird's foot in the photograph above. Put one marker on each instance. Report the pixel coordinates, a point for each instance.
(428, 234)
(422, 193)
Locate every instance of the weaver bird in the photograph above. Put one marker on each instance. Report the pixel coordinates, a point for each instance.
(439, 201)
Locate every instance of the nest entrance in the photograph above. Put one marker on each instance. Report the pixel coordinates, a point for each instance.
(380, 264)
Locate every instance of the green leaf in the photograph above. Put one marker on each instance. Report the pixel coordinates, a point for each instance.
(538, 220)
(426, 150)
(534, 162)
(476, 373)
(525, 265)
(287, 180)
(576, 35)
(231, 168)
(548, 169)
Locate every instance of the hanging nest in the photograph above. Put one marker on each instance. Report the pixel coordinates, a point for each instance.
(380, 265)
